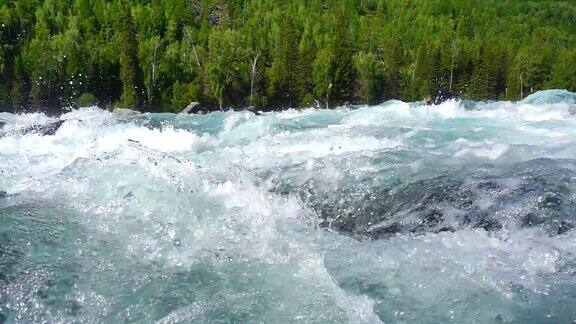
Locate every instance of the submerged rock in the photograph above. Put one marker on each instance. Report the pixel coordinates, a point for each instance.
(44, 130)
(537, 193)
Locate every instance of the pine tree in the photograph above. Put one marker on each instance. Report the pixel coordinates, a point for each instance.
(304, 86)
(489, 79)
(342, 65)
(427, 77)
(6, 76)
(19, 91)
(483, 79)
(501, 68)
(392, 61)
(283, 74)
(130, 72)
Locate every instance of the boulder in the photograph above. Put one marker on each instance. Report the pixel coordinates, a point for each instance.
(193, 107)
(452, 201)
(46, 129)
(124, 113)
(50, 129)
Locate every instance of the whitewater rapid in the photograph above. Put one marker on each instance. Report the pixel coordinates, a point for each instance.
(400, 212)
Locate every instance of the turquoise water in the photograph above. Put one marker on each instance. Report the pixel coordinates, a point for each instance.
(462, 212)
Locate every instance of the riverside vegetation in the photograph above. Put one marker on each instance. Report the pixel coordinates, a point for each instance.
(159, 55)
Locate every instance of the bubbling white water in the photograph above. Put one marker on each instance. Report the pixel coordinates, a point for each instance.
(222, 217)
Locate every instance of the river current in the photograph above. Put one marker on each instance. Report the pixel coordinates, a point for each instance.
(400, 212)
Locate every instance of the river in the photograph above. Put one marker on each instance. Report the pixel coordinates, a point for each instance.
(400, 212)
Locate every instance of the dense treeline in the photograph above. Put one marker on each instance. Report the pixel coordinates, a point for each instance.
(159, 55)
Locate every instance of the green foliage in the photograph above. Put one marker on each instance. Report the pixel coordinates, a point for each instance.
(183, 94)
(488, 78)
(226, 69)
(159, 55)
(86, 100)
(20, 87)
(369, 71)
(342, 68)
(563, 76)
(283, 74)
(427, 75)
(130, 70)
(322, 75)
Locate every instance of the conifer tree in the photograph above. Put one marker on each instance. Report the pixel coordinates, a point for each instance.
(304, 86)
(392, 61)
(342, 66)
(19, 91)
(6, 70)
(130, 71)
(283, 74)
(322, 76)
(484, 79)
(427, 77)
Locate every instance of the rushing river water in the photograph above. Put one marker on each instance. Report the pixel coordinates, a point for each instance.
(461, 212)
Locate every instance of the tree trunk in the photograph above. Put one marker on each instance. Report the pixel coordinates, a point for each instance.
(253, 75)
(521, 87)
(452, 65)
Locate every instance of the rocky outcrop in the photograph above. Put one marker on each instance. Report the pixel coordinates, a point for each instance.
(50, 129)
(40, 129)
(45, 129)
(192, 108)
(124, 113)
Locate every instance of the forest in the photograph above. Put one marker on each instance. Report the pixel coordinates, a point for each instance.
(160, 55)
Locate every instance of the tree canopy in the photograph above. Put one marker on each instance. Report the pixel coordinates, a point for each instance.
(159, 55)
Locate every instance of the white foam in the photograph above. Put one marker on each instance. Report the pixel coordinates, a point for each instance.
(176, 200)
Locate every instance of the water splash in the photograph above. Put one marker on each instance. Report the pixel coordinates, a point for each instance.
(397, 212)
